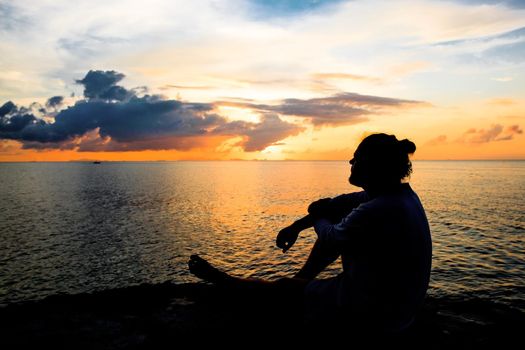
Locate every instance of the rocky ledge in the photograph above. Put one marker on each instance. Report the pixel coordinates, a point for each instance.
(154, 316)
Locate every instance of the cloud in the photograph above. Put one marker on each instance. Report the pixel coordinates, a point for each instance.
(323, 82)
(7, 108)
(268, 82)
(112, 118)
(407, 68)
(341, 109)
(141, 118)
(515, 34)
(514, 130)
(495, 133)
(502, 101)
(258, 136)
(11, 17)
(102, 84)
(347, 76)
(482, 136)
(508, 53)
(185, 87)
(506, 47)
(54, 102)
(7, 146)
(87, 45)
(439, 140)
(510, 3)
(14, 120)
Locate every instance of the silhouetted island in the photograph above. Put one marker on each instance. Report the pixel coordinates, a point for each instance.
(154, 315)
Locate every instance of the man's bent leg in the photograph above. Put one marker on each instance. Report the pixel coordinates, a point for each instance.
(320, 257)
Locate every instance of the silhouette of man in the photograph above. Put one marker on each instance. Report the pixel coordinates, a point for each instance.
(381, 234)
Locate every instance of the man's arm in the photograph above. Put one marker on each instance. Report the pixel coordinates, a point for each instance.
(337, 208)
(288, 235)
(348, 229)
(332, 208)
(304, 223)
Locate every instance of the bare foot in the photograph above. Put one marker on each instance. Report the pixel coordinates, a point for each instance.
(203, 269)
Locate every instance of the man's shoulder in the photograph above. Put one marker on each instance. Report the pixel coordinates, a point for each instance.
(392, 203)
(356, 197)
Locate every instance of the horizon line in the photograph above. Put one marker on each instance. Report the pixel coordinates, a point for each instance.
(244, 160)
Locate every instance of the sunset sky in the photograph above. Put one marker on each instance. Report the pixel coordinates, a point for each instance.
(254, 79)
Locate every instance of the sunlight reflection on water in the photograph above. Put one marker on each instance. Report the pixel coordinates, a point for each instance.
(76, 227)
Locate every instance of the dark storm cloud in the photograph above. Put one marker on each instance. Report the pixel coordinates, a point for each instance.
(7, 108)
(11, 127)
(116, 112)
(54, 101)
(13, 120)
(116, 93)
(140, 118)
(113, 118)
(101, 84)
(340, 109)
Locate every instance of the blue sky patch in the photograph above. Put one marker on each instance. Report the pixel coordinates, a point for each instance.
(287, 8)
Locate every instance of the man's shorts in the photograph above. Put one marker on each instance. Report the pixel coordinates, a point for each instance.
(323, 298)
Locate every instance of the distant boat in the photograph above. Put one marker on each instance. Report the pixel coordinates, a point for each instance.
(96, 162)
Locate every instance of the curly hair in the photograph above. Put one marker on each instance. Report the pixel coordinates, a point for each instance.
(386, 156)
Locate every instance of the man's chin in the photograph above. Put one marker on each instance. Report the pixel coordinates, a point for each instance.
(354, 182)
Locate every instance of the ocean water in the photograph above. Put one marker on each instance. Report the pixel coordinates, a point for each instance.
(81, 227)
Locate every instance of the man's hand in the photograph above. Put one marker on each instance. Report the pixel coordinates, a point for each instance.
(287, 237)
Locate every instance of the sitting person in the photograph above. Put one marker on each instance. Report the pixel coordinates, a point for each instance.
(381, 233)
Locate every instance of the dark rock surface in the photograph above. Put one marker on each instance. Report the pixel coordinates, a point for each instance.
(168, 315)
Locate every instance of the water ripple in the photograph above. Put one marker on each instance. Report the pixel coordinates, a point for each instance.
(76, 227)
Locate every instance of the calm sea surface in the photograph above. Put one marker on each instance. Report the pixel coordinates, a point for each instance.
(80, 227)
